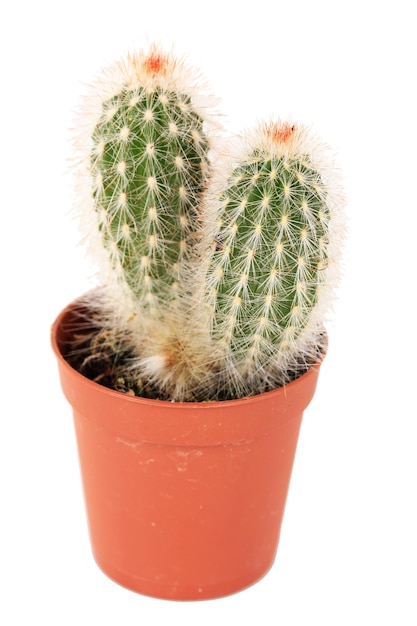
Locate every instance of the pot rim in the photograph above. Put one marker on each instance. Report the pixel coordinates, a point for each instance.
(202, 422)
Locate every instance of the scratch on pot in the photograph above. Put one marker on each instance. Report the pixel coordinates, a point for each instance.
(130, 444)
(182, 458)
(136, 448)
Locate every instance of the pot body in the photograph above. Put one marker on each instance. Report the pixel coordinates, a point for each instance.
(184, 500)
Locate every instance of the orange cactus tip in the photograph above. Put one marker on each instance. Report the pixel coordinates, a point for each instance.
(281, 133)
(155, 63)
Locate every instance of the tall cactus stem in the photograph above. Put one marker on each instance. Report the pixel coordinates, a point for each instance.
(146, 160)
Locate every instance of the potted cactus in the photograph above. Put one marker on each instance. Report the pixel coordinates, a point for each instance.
(190, 366)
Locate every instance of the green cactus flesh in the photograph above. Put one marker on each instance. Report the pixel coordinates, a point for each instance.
(269, 261)
(150, 165)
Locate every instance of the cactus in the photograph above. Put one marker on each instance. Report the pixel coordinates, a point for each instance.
(149, 165)
(270, 274)
(147, 153)
(217, 276)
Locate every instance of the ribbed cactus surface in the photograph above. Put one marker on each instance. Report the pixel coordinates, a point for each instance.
(270, 257)
(149, 165)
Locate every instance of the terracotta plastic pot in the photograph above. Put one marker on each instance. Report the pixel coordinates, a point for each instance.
(184, 500)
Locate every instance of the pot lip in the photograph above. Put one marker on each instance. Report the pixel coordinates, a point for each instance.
(135, 420)
(207, 404)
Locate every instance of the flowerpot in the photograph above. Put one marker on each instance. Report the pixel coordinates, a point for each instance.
(184, 500)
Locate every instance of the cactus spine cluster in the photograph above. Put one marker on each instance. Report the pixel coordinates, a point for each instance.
(220, 274)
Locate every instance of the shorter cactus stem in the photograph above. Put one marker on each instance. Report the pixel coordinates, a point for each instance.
(269, 271)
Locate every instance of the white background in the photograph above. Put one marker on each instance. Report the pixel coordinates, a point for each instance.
(348, 550)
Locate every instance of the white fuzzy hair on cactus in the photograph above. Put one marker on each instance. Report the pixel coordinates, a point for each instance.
(254, 346)
(219, 258)
(109, 194)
